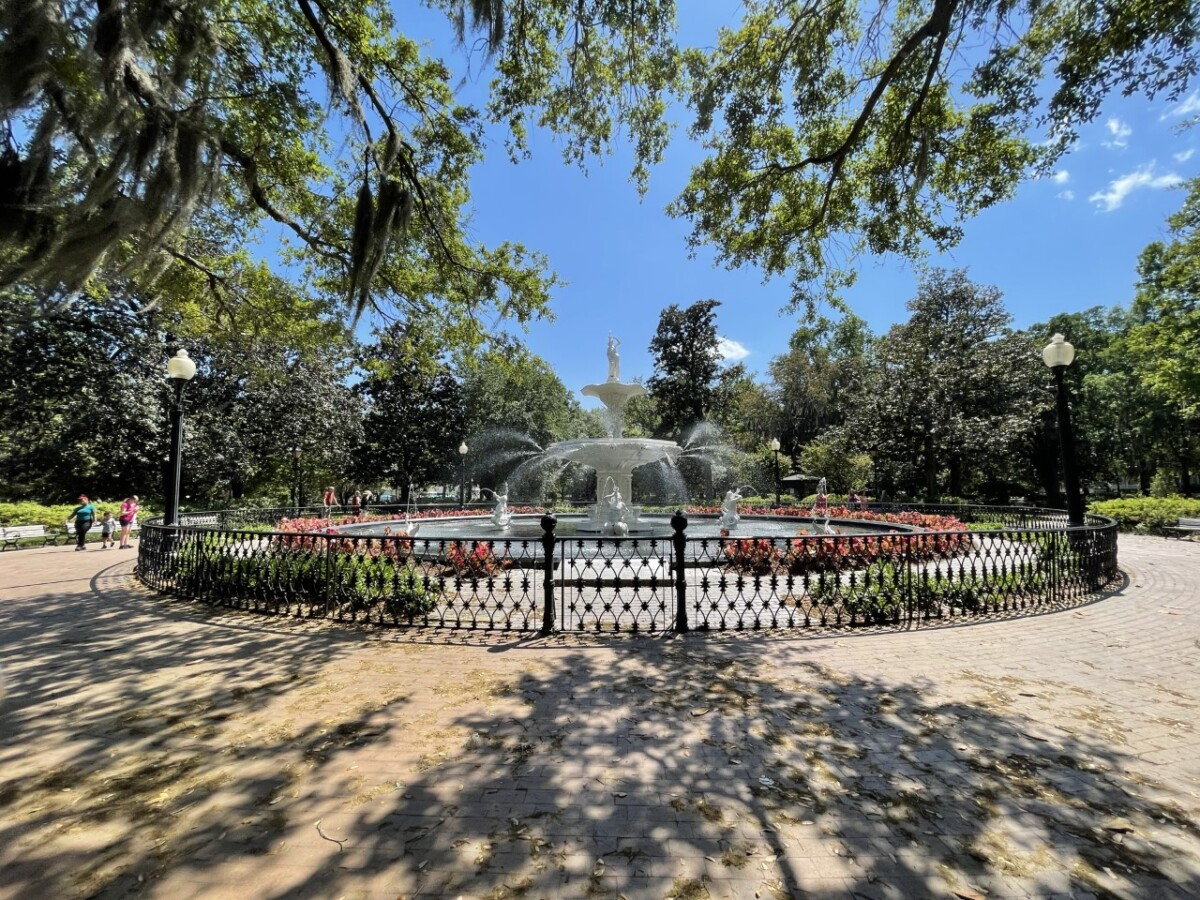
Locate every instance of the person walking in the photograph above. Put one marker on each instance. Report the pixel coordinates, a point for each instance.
(129, 511)
(84, 514)
(356, 504)
(329, 501)
(108, 531)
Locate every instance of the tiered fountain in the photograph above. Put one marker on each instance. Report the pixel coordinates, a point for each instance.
(613, 514)
(615, 457)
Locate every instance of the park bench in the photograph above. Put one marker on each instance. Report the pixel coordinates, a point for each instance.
(1183, 526)
(208, 521)
(12, 535)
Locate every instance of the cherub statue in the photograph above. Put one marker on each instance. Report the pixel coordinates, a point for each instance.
(500, 513)
(729, 508)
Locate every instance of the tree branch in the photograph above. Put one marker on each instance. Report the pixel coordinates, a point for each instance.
(936, 26)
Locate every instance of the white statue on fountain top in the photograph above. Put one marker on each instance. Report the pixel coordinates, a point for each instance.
(614, 359)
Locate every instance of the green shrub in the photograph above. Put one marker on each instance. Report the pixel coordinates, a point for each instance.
(378, 585)
(1147, 513)
(880, 595)
(29, 513)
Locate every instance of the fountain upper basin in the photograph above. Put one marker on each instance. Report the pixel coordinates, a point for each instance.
(615, 454)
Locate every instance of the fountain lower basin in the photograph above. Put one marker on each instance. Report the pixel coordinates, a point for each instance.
(528, 528)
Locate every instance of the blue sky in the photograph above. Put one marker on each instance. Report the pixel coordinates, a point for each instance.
(1065, 243)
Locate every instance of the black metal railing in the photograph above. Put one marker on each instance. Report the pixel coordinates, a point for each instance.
(1010, 561)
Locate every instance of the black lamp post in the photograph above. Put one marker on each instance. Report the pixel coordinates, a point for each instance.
(180, 370)
(462, 475)
(774, 445)
(297, 490)
(1057, 355)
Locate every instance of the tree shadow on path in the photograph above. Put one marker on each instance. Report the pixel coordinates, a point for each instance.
(688, 768)
(151, 748)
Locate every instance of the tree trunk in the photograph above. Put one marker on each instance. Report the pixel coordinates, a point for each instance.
(930, 471)
(956, 477)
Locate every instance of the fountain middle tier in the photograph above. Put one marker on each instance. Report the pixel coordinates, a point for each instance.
(614, 459)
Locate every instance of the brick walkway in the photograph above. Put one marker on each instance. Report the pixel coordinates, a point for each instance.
(154, 748)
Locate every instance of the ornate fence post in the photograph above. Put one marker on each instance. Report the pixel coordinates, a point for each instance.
(327, 586)
(679, 541)
(908, 575)
(549, 523)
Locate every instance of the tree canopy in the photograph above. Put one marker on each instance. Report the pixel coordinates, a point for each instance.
(1167, 311)
(840, 126)
(151, 142)
(951, 391)
(686, 366)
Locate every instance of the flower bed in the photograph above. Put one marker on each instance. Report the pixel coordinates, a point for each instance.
(941, 537)
(466, 559)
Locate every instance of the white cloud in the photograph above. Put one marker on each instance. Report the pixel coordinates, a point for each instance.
(1061, 177)
(1190, 106)
(1184, 156)
(1120, 133)
(1065, 195)
(1118, 190)
(730, 350)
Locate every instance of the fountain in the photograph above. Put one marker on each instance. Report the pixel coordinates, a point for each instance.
(613, 514)
(615, 457)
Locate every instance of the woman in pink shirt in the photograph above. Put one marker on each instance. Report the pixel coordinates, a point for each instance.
(129, 510)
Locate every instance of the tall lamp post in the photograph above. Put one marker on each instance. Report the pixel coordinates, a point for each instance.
(1057, 355)
(180, 370)
(774, 445)
(462, 475)
(297, 490)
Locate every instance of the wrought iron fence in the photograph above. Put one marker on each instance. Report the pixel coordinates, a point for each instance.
(1009, 561)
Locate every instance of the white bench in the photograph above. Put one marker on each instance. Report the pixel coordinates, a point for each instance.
(210, 521)
(1183, 526)
(12, 535)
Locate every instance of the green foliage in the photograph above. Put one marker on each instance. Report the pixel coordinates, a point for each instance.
(81, 402)
(884, 590)
(1147, 513)
(53, 516)
(586, 71)
(1167, 311)
(812, 380)
(686, 366)
(948, 396)
(747, 413)
(380, 586)
(755, 469)
(251, 403)
(414, 412)
(507, 387)
(830, 457)
(882, 126)
(152, 141)
(148, 143)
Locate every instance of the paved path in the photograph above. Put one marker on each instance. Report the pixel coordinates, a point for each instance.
(154, 748)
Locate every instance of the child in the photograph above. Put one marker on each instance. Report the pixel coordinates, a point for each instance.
(108, 530)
